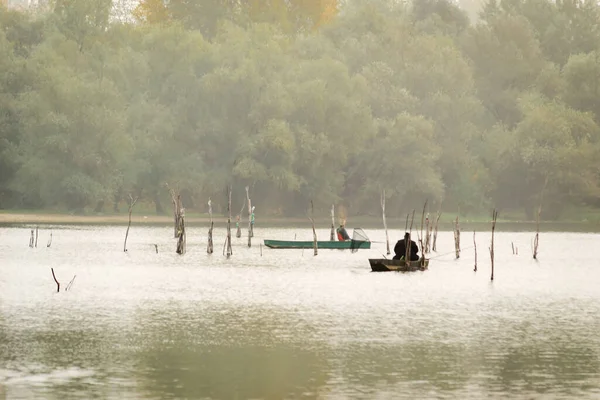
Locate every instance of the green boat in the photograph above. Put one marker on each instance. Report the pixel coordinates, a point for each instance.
(321, 244)
(385, 265)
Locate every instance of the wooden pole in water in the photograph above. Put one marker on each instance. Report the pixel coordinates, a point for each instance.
(55, 280)
(332, 233)
(181, 238)
(475, 247)
(209, 247)
(70, 283)
(387, 237)
(536, 240)
(435, 231)
(238, 233)
(228, 238)
(250, 233)
(315, 246)
(132, 202)
(457, 238)
(408, 243)
(494, 218)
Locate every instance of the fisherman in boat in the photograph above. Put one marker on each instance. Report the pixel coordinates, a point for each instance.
(342, 234)
(400, 249)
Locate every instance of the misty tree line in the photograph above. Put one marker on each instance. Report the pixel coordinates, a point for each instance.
(417, 100)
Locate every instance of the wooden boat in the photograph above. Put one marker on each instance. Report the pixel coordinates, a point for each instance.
(321, 244)
(385, 264)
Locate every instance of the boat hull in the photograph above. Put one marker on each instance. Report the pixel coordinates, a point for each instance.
(321, 244)
(386, 265)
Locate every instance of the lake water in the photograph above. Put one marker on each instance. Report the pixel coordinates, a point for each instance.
(277, 324)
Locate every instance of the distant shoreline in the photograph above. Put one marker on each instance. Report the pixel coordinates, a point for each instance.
(49, 218)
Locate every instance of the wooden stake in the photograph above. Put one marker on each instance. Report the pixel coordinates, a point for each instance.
(228, 238)
(457, 238)
(332, 233)
(181, 235)
(70, 284)
(31, 240)
(408, 245)
(536, 240)
(427, 234)
(250, 228)
(156, 248)
(209, 248)
(132, 202)
(315, 247)
(435, 231)
(49, 240)
(387, 237)
(475, 247)
(36, 235)
(494, 218)
(57, 284)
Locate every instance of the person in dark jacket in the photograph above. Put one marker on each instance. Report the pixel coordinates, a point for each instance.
(400, 248)
(342, 234)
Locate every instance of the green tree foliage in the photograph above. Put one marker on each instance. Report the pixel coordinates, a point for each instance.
(301, 100)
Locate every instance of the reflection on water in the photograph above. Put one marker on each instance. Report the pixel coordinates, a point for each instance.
(284, 324)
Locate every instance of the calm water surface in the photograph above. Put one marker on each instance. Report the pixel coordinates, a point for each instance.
(277, 324)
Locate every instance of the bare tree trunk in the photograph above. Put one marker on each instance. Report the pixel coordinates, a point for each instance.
(132, 202)
(457, 238)
(387, 237)
(332, 233)
(57, 284)
(209, 247)
(250, 217)
(494, 218)
(229, 250)
(475, 247)
(435, 231)
(70, 284)
(181, 236)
